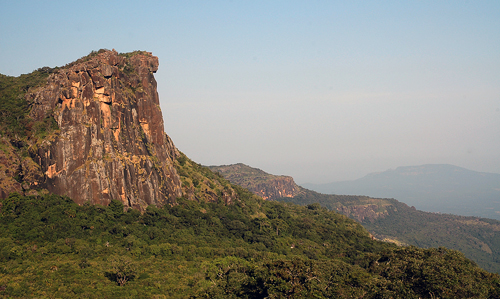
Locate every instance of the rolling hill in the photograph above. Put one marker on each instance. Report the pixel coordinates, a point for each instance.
(391, 220)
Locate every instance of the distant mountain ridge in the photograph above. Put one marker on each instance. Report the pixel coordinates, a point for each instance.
(439, 188)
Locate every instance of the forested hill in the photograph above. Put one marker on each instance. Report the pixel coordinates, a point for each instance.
(52, 247)
(391, 220)
(477, 238)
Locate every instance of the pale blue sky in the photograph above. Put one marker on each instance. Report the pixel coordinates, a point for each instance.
(319, 90)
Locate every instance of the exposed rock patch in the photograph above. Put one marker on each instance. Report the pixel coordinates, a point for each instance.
(265, 185)
(363, 213)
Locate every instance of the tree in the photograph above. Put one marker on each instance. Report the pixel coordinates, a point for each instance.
(122, 270)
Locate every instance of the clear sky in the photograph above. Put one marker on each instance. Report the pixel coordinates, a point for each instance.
(319, 90)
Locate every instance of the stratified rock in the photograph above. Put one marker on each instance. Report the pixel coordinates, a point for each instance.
(111, 143)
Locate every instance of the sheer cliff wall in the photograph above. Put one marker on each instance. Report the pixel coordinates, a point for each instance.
(111, 142)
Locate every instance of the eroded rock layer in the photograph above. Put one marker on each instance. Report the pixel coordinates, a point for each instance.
(111, 143)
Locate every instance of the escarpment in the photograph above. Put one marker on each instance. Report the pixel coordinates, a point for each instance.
(110, 143)
(277, 187)
(265, 185)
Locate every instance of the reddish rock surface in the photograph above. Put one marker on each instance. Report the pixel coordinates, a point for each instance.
(111, 143)
(274, 188)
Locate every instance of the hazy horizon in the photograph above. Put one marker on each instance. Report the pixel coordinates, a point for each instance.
(322, 91)
(394, 169)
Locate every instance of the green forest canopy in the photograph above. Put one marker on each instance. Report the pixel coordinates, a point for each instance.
(51, 247)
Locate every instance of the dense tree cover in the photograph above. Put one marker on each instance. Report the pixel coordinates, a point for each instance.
(243, 175)
(50, 247)
(332, 202)
(477, 238)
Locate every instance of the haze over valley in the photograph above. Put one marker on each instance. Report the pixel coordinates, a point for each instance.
(434, 188)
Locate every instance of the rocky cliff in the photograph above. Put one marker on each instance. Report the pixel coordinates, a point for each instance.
(110, 142)
(365, 212)
(265, 185)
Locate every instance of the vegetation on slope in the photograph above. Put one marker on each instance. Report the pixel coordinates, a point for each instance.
(203, 185)
(390, 220)
(51, 247)
(18, 132)
(477, 238)
(14, 109)
(244, 175)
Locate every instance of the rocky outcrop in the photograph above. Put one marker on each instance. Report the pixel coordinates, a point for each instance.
(110, 143)
(277, 187)
(265, 185)
(271, 187)
(363, 213)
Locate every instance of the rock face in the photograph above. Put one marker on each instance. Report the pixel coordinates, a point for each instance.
(110, 143)
(280, 186)
(363, 213)
(265, 185)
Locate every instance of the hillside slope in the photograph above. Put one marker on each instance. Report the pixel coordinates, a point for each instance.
(434, 188)
(259, 182)
(390, 220)
(52, 247)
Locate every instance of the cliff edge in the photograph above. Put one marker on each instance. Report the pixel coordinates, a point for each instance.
(110, 142)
